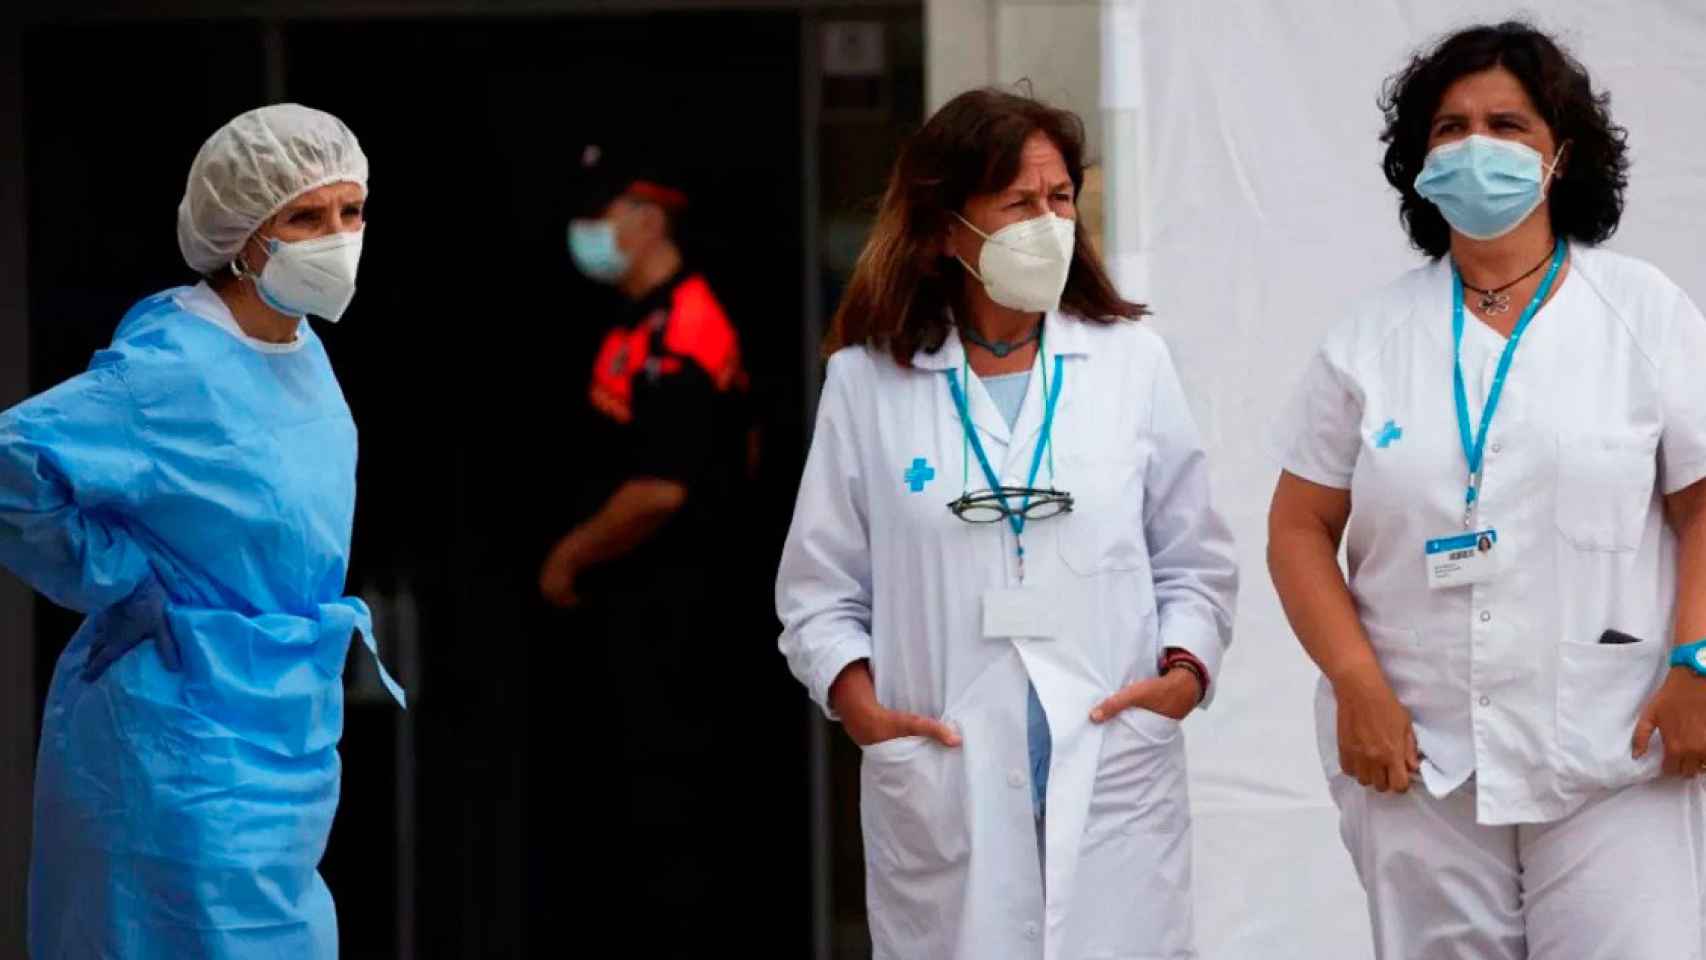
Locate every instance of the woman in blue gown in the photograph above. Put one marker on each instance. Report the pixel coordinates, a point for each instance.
(192, 494)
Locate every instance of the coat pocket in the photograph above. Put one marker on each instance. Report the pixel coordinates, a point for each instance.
(912, 810)
(1601, 690)
(1104, 531)
(1605, 487)
(1134, 869)
(1140, 786)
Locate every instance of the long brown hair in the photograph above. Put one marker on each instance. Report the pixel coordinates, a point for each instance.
(903, 284)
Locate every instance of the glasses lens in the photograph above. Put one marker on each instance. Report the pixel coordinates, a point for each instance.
(1044, 509)
(1048, 503)
(979, 512)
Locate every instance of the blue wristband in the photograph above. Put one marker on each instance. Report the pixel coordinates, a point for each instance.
(1690, 655)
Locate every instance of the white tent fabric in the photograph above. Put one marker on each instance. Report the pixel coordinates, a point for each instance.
(1246, 205)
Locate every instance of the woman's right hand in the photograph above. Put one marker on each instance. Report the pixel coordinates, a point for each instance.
(126, 625)
(1377, 740)
(853, 696)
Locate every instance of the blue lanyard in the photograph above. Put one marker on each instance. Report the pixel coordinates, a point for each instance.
(1016, 519)
(1475, 445)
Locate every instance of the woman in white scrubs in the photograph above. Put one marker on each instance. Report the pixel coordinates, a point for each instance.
(1510, 440)
(1015, 662)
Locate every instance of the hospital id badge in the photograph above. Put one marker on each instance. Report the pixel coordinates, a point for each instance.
(1019, 612)
(1464, 559)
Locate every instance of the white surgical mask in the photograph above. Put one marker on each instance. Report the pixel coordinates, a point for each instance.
(311, 276)
(1024, 265)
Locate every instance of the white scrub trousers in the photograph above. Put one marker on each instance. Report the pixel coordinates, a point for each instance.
(1619, 879)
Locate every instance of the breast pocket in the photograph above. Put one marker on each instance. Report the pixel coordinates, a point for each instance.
(1605, 488)
(1104, 531)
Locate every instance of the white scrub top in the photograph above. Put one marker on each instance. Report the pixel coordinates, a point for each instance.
(1603, 411)
(876, 567)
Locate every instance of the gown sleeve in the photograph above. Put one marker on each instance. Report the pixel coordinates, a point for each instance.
(68, 459)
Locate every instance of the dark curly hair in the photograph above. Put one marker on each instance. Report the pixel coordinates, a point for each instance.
(1587, 196)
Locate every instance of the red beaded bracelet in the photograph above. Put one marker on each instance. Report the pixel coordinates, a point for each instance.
(1179, 657)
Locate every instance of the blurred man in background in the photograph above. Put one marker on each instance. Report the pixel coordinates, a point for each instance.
(660, 472)
(668, 381)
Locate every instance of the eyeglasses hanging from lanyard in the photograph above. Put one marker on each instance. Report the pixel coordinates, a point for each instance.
(990, 506)
(1475, 445)
(1016, 505)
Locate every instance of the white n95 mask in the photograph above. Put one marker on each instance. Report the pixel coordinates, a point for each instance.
(311, 276)
(1024, 265)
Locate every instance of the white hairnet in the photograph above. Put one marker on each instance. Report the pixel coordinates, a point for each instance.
(251, 168)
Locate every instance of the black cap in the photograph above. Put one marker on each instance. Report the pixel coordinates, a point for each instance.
(604, 173)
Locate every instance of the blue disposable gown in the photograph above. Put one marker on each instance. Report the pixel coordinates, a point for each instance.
(184, 814)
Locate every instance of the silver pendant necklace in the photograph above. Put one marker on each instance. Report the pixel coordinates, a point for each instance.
(1496, 301)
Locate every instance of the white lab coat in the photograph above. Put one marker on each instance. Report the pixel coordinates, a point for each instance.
(875, 570)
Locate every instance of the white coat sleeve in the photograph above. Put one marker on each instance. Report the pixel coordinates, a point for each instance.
(1682, 443)
(823, 590)
(1319, 435)
(1190, 546)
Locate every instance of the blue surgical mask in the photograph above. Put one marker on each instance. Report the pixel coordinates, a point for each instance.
(592, 245)
(1483, 186)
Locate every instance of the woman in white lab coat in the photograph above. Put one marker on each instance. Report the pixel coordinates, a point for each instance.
(1511, 440)
(1014, 663)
